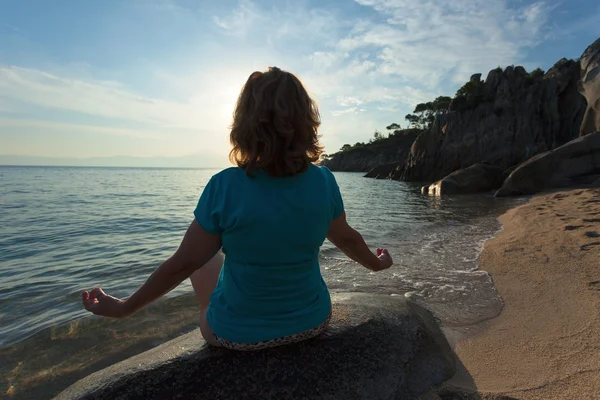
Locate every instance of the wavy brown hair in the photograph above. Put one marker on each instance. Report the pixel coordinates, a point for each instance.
(275, 125)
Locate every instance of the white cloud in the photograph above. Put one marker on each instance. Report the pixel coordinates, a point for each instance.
(240, 19)
(350, 110)
(424, 41)
(206, 108)
(78, 128)
(323, 59)
(346, 101)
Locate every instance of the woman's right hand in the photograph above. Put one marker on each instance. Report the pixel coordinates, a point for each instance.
(385, 260)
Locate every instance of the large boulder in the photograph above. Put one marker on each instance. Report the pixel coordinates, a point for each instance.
(577, 162)
(377, 347)
(589, 86)
(477, 178)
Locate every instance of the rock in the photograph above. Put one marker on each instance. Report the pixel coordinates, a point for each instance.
(565, 166)
(377, 347)
(382, 171)
(491, 83)
(474, 179)
(475, 78)
(507, 173)
(589, 86)
(596, 183)
(515, 117)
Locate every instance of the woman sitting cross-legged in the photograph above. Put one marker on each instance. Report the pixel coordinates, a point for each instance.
(269, 215)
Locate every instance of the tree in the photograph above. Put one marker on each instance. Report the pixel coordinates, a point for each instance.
(537, 73)
(393, 127)
(441, 103)
(413, 120)
(468, 89)
(346, 147)
(377, 135)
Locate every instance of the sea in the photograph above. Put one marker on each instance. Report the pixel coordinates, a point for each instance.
(67, 229)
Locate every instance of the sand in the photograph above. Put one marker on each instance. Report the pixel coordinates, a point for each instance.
(546, 266)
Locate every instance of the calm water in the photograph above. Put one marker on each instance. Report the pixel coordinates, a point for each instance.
(67, 229)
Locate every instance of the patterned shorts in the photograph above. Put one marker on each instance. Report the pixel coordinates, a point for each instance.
(297, 337)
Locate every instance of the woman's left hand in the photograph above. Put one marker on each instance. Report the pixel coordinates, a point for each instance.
(99, 303)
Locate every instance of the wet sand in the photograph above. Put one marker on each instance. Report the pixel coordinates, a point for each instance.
(546, 266)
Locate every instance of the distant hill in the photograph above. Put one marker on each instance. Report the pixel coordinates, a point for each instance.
(200, 160)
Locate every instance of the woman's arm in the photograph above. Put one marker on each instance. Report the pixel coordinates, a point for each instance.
(349, 241)
(195, 250)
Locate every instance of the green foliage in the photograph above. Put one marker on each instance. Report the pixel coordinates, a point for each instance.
(393, 127)
(537, 73)
(413, 120)
(424, 113)
(468, 89)
(380, 140)
(378, 136)
(442, 103)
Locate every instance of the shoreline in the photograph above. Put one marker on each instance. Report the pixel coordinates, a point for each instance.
(545, 264)
(142, 334)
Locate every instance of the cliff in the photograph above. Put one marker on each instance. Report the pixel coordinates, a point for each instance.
(503, 121)
(391, 150)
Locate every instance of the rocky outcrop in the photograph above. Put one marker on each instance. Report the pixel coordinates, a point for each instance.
(474, 179)
(589, 87)
(504, 120)
(377, 347)
(382, 171)
(393, 150)
(575, 163)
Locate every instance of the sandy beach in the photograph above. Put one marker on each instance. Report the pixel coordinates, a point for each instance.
(546, 266)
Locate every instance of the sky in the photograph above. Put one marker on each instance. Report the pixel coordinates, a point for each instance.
(159, 78)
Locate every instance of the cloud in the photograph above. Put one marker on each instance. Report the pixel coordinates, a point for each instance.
(240, 19)
(425, 41)
(346, 101)
(77, 128)
(350, 110)
(207, 108)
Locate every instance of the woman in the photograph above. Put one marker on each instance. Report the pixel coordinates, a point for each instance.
(269, 215)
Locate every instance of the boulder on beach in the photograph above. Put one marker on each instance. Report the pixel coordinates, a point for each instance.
(477, 178)
(575, 163)
(589, 86)
(377, 347)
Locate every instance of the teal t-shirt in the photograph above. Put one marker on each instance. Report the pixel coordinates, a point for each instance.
(271, 229)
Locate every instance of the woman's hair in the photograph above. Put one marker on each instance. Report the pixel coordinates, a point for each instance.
(275, 125)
